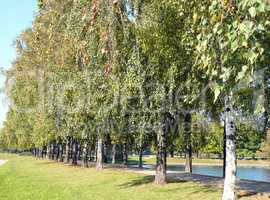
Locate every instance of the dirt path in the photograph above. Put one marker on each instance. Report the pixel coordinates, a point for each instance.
(244, 187)
(2, 162)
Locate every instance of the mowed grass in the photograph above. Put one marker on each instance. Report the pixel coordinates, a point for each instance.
(26, 178)
(178, 161)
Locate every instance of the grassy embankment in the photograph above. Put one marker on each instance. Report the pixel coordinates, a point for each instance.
(31, 179)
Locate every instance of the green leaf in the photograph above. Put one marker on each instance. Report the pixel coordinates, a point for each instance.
(226, 74)
(259, 108)
(242, 73)
(261, 7)
(217, 91)
(252, 12)
(234, 45)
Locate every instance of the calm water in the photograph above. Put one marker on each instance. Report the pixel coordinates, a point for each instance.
(249, 173)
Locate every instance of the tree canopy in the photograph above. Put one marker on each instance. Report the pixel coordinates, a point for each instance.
(140, 74)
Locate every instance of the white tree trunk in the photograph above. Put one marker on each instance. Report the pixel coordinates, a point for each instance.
(85, 154)
(230, 171)
(99, 163)
(113, 153)
(224, 149)
(188, 149)
(161, 165)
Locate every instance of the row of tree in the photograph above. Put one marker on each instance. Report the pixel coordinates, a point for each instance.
(92, 76)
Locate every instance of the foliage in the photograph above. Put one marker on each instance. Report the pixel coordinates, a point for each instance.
(116, 69)
(248, 140)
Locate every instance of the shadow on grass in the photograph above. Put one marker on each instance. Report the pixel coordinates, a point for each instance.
(132, 161)
(146, 180)
(242, 194)
(44, 162)
(140, 181)
(205, 189)
(191, 188)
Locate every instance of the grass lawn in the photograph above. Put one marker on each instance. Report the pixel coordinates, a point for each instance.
(25, 178)
(177, 160)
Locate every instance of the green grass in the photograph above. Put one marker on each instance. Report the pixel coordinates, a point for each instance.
(177, 160)
(25, 178)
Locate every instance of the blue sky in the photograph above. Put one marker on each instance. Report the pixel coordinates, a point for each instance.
(15, 16)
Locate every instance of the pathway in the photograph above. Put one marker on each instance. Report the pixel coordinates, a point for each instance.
(2, 162)
(244, 187)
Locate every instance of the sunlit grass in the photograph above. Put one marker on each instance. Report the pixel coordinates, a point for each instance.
(178, 160)
(25, 178)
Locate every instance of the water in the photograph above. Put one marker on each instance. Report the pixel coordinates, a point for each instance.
(248, 173)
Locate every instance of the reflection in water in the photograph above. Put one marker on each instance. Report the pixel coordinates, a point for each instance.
(249, 173)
